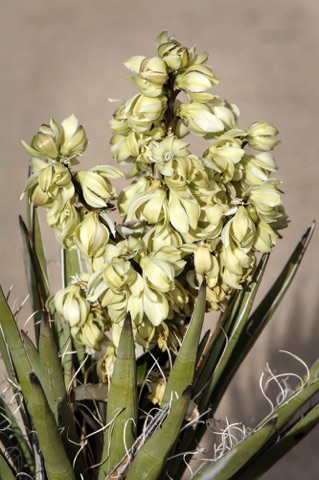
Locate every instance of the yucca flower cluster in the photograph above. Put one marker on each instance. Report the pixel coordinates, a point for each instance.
(184, 217)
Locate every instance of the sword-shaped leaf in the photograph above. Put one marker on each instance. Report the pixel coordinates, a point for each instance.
(229, 361)
(57, 464)
(36, 274)
(56, 394)
(228, 466)
(246, 331)
(182, 373)
(5, 469)
(122, 403)
(151, 459)
(301, 428)
(15, 346)
(13, 440)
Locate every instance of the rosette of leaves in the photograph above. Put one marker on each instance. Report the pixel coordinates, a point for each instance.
(116, 378)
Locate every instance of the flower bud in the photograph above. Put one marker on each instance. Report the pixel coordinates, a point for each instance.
(200, 118)
(203, 260)
(145, 111)
(172, 52)
(259, 136)
(265, 238)
(195, 81)
(72, 305)
(91, 334)
(38, 197)
(45, 178)
(266, 198)
(116, 274)
(44, 143)
(153, 70)
(91, 235)
(68, 221)
(157, 392)
(242, 228)
(106, 363)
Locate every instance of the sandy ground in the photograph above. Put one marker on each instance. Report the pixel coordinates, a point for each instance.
(60, 57)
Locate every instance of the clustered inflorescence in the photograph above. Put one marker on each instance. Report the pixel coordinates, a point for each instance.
(184, 217)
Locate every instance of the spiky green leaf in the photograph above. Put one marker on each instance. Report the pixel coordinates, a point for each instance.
(57, 464)
(228, 466)
(122, 403)
(184, 366)
(150, 461)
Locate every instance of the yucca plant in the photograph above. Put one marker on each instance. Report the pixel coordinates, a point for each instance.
(118, 379)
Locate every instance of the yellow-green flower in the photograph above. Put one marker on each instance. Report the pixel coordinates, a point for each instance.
(51, 186)
(145, 111)
(158, 273)
(42, 145)
(150, 206)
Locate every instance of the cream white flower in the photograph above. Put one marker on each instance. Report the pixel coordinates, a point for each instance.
(266, 198)
(91, 235)
(72, 305)
(55, 141)
(195, 81)
(96, 189)
(174, 54)
(74, 140)
(265, 238)
(158, 273)
(200, 118)
(184, 211)
(260, 136)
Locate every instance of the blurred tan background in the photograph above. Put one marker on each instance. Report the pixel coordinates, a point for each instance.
(64, 56)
